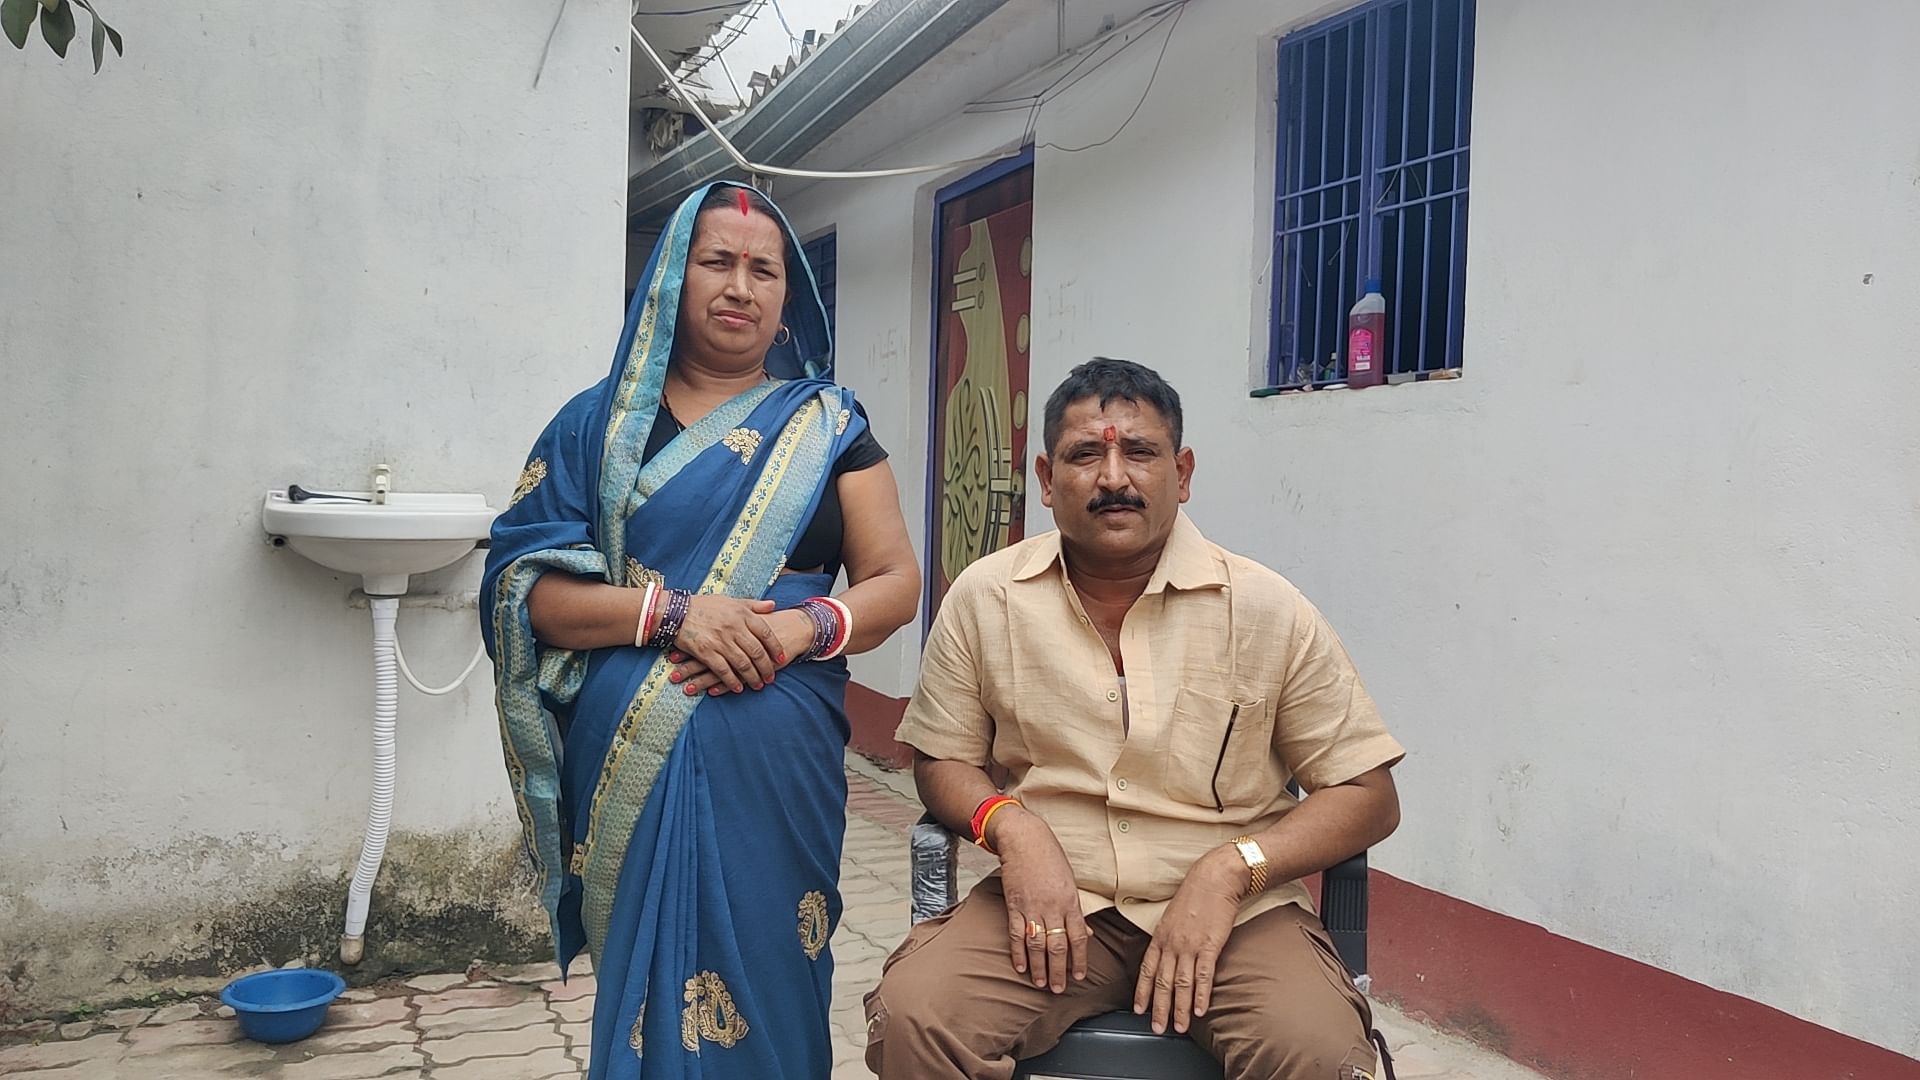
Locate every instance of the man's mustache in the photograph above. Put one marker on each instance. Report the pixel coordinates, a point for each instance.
(1116, 498)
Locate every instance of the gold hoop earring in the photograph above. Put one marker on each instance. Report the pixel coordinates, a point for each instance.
(777, 339)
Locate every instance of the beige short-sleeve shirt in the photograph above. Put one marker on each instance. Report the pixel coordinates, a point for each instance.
(1234, 683)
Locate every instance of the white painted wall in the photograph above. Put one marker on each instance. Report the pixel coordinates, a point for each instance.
(276, 243)
(1639, 591)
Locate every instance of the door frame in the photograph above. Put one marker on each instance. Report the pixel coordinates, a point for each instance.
(966, 185)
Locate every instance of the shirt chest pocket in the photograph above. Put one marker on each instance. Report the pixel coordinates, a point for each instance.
(1219, 751)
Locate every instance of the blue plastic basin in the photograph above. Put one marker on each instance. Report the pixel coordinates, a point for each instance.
(282, 1006)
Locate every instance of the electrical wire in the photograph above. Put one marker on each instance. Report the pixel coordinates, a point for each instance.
(1173, 26)
(1038, 98)
(708, 10)
(1090, 52)
(739, 159)
(784, 25)
(1032, 104)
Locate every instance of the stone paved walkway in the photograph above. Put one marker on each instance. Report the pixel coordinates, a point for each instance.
(522, 1024)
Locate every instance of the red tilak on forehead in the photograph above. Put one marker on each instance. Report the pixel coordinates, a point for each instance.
(745, 208)
(1110, 434)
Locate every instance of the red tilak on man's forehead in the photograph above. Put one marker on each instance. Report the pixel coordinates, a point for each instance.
(745, 208)
(1110, 434)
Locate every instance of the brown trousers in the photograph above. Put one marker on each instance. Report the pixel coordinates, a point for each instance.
(950, 1005)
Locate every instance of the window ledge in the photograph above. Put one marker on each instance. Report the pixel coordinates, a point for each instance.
(1443, 375)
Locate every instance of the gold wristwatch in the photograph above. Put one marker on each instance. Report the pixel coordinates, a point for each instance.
(1256, 863)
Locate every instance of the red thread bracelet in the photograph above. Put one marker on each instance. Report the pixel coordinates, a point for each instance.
(983, 813)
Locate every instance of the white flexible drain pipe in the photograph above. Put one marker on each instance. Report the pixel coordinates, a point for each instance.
(389, 664)
(386, 711)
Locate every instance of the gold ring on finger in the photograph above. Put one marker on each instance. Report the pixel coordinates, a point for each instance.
(1057, 930)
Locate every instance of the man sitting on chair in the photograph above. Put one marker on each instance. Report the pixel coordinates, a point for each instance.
(1148, 694)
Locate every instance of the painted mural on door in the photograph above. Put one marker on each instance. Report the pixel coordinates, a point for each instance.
(979, 446)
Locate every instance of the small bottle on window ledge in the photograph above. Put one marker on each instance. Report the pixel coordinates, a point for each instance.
(1367, 338)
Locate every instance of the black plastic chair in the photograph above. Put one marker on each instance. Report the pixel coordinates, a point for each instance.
(1121, 1045)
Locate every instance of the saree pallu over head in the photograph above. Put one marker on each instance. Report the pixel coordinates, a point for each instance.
(673, 836)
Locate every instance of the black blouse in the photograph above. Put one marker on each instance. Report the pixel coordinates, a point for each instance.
(821, 538)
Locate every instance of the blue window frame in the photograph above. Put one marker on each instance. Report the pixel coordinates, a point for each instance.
(1375, 113)
(823, 254)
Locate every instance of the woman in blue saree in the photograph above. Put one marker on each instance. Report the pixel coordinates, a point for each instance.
(668, 662)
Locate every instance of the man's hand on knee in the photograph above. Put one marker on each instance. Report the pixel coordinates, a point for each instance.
(1176, 976)
(1046, 933)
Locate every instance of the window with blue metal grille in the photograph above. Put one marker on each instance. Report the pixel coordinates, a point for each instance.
(823, 254)
(1375, 111)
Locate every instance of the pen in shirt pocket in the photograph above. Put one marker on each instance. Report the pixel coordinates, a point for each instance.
(1233, 718)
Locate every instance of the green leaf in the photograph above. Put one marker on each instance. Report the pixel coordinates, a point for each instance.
(56, 25)
(99, 44)
(119, 46)
(16, 17)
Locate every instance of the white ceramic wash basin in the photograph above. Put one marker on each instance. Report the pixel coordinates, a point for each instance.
(386, 543)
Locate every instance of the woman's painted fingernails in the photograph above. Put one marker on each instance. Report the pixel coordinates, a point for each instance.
(675, 677)
(692, 690)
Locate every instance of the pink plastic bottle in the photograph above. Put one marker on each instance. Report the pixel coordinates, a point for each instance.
(1367, 338)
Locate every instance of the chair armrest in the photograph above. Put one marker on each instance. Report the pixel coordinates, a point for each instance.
(1343, 908)
(935, 856)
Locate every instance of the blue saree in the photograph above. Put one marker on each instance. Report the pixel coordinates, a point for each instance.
(691, 845)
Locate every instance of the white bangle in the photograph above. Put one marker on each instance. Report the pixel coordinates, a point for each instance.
(646, 608)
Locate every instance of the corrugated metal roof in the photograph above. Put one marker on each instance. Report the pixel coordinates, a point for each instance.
(813, 98)
(685, 32)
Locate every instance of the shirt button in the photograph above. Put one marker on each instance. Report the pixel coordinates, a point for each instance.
(1113, 695)
(1126, 826)
(1121, 783)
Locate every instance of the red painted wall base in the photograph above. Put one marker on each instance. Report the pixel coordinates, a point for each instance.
(1579, 1013)
(874, 717)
